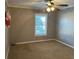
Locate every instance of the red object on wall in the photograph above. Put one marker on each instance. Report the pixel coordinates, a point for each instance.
(7, 19)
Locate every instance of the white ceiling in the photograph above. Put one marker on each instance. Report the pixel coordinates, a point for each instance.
(38, 4)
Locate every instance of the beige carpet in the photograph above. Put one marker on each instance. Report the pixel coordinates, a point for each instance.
(42, 50)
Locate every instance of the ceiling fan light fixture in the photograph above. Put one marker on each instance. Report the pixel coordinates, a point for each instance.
(49, 4)
(52, 8)
(48, 9)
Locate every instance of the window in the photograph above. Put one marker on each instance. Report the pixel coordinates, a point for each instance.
(40, 24)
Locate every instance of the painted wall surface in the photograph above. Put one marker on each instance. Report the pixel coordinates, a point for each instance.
(66, 26)
(6, 42)
(6, 36)
(23, 25)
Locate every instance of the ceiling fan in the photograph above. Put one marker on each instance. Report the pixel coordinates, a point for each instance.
(50, 5)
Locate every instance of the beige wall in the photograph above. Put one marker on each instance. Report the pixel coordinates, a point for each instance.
(6, 37)
(66, 26)
(6, 42)
(23, 22)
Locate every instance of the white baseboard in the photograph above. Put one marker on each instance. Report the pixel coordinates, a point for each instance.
(43, 41)
(6, 57)
(65, 44)
(35, 41)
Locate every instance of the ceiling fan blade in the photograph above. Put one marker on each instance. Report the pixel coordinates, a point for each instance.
(65, 5)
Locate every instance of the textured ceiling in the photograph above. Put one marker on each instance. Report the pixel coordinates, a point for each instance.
(38, 4)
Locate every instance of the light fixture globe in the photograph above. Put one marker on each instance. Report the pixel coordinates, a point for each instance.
(52, 8)
(48, 9)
